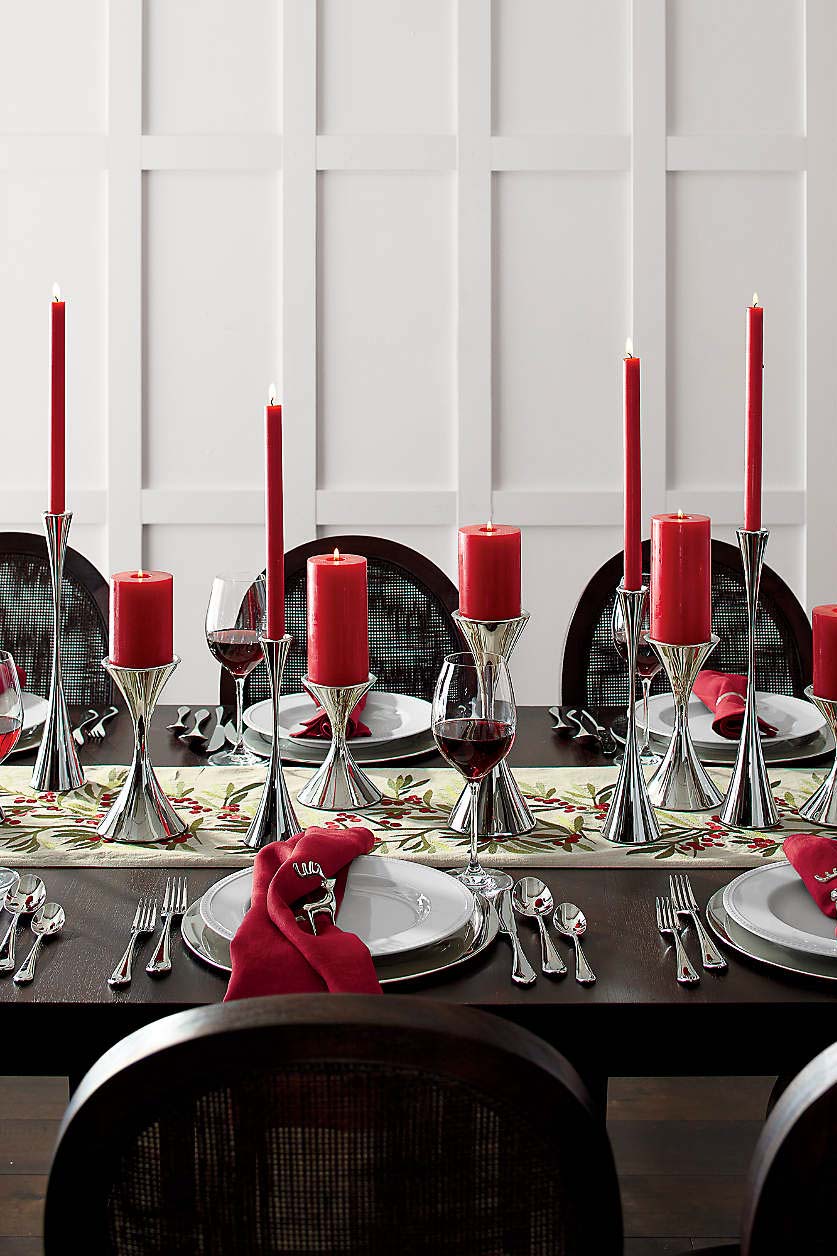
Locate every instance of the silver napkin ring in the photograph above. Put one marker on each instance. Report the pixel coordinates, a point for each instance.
(326, 904)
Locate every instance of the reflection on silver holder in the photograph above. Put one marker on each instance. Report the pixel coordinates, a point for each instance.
(821, 807)
(749, 802)
(681, 782)
(338, 784)
(275, 820)
(57, 767)
(141, 813)
(502, 809)
(630, 818)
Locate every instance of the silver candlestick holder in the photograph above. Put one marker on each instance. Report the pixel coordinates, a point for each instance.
(630, 819)
(749, 801)
(141, 813)
(338, 784)
(681, 783)
(275, 819)
(502, 809)
(821, 807)
(57, 767)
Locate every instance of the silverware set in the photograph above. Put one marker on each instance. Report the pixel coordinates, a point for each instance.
(582, 726)
(25, 895)
(93, 725)
(198, 740)
(144, 924)
(679, 905)
(531, 899)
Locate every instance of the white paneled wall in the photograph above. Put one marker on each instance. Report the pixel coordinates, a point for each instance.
(433, 223)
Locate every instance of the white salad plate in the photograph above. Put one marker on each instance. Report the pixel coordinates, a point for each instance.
(794, 718)
(388, 716)
(312, 750)
(393, 906)
(772, 903)
(35, 710)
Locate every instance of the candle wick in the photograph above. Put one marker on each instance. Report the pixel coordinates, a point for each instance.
(680, 514)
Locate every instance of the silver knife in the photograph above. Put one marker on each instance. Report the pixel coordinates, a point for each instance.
(522, 971)
(219, 735)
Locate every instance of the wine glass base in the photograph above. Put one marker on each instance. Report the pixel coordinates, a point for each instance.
(232, 758)
(487, 881)
(648, 759)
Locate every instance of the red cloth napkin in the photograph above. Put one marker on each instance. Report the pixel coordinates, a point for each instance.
(318, 724)
(815, 859)
(724, 694)
(272, 952)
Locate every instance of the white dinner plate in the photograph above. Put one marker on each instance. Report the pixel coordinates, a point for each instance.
(762, 951)
(35, 710)
(311, 751)
(393, 906)
(794, 718)
(772, 903)
(388, 716)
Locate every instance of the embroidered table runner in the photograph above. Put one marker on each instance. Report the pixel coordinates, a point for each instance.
(569, 804)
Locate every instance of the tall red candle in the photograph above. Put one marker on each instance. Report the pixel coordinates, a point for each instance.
(681, 571)
(752, 452)
(338, 619)
(141, 618)
(633, 474)
(274, 496)
(825, 651)
(489, 572)
(57, 407)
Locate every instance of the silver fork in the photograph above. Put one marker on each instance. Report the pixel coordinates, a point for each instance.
(98, 730)
(145, 917)
(685, 904)
(667, 923)
(78, 731)
(174, 904)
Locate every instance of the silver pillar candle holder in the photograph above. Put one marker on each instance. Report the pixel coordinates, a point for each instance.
(630, 819)
(681, 782)
(141, 813)
(338, 784)
(502, 809)
(749, 802)
(821, 807)
(275, 819)
(57, 767)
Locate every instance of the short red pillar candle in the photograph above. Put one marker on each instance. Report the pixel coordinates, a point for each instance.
(752, 451)
(338, 619)
(57, 408)
(633, 473)
(825, 652)
(275, 506)
(489, 572)
(681, 579)
(141, 618)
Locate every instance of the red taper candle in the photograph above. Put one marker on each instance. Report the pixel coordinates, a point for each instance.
(489, 572)
(141, 618)
(825, 651)
(752, 452)
(681, 570)
(274, 497)
(57, 406)
(633, 473)
(338, 619)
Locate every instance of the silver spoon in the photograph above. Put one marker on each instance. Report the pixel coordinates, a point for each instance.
(8, 881)
(532, 898)
(570, 923)
(28, 896)
(179, 725)
(46, 922)
(195, 739)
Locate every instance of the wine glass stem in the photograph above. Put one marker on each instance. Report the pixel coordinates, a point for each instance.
(239, 714)
(474, 862)
(646, 686)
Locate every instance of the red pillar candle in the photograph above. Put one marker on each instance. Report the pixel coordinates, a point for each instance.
(141, 617)
(633, 474)
(57, 407)
(274, 497)
(825, 652)
(681, 570)
(489, 572)
(752, 452)
(338, 619)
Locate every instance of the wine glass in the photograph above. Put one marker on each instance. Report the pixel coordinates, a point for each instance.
(648, 665)
(474, 722)
(11, 708)
(235, 618)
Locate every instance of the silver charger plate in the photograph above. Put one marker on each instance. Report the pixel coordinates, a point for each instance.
(471, 940)
(29, 740)
(312, 751)
(763, 952)
(784, 753)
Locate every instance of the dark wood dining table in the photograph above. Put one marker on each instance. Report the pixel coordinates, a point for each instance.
(636, 1020)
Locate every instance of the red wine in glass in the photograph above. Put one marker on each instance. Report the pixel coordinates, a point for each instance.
(648, 663)
(237, 649)
(474, 746)
(9, 735)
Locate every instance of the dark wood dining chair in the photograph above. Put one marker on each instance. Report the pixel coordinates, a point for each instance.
(26, 619)
(333, 1123)
(593, 675)
(411, 603)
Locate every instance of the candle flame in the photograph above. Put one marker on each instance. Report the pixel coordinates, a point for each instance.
(56, 292)
(271, 392)
(629, 348)
(489, 527)
(680, 514)
(141, 574)
(336, 554)
(755, 299)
